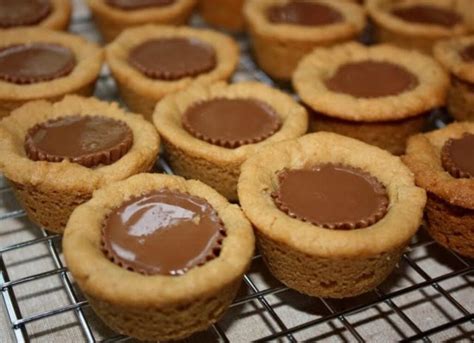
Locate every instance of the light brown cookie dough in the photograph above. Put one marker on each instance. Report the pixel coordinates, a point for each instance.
(224, 14)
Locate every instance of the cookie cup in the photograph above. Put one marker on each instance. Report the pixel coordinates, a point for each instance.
(391, 29)
(156, 307)
(140, 92)
(450, 206)
(387, 121)
(224, 14)
(324, 262)
(461, 93)
(49, 191)
(80, 81)
(279, 47)
(217, 166)
(111, 21)
(59, 17)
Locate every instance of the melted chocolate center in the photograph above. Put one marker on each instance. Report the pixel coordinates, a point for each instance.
(231, 123)
(371, 79)
(303, 13)
(137, 4)
(173, 58)
(457, 156)
(430, 15)
(332, 196)
(86, 140)
(23, 12)
(163, 232)
(468, 54)
(36, 62)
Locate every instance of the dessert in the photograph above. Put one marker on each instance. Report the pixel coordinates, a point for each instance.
(126, 251)
(114, 16)
(457, 56)
(50, 14)
(151, 61)
(379, 94)
(209, 131)
(332, 214)
(225, 14)
(418, 24)
(283, 31)
(442, 163)
(56, 155)
(37, 64)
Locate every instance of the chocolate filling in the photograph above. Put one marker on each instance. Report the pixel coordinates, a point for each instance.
(86, 140)
(371, 79)
(163, 232)
(231, 123)
(173, 58)
(35, 62)
(457, 156)
(332, 196)
(23, 12)
(430, 15)
(468, 54)
(137, 4)
(303, 13)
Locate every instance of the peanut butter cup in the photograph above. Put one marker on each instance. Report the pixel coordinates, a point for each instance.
(329, 221)
(442, 162)
(332, 196)
(173, 58)
(86, 140)
(283, 31)
(36, 62)
(297, 12)
(431, 15)
(138, 4)
(231, 123)
(175, 253)
(23, 12)
(163, 232)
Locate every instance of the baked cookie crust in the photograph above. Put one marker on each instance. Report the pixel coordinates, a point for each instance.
(278, 48)
(80, 81)
(157, 307)
(59, 17)
(140, 92)
(225, 14)
(217, 166)
(112, 20)
(49, 191)
(391, 29)
(324, 262)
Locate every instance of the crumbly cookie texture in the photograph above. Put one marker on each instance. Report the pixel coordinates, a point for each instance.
(111, 21)
(140, 92)
(394, 30)
(450, 208)
(80, 81)
(49, 191)
(157, 307)
(323, 262)
(217, 166)
(322, 63)
(279, 48)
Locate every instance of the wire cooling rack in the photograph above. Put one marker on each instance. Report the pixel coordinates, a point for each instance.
(429, 296)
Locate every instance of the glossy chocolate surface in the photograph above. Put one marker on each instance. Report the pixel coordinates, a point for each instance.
(430, 15)
(163, 232)
(173, 58)
(371, 79)
(231, 122)
(457, 156)
(35, 62)
(332, 196)
(87, 140)
(304, 13)
(467, 54)
(23, 12)
(138, 4)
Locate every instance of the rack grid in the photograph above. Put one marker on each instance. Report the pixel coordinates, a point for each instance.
(429, 297)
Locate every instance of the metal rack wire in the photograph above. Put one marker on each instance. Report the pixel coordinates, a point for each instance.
(439, 278)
